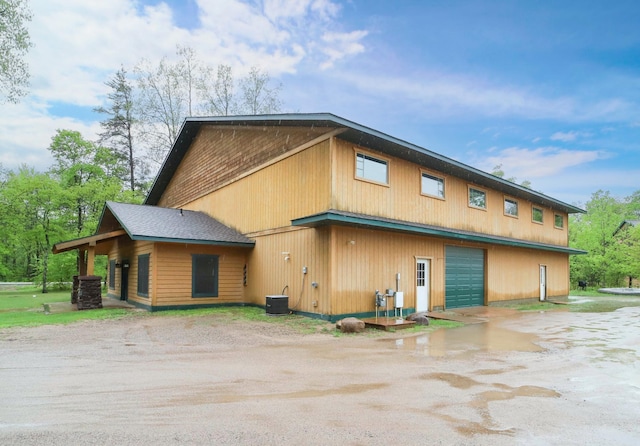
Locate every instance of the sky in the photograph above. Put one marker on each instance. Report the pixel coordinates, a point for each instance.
(549, 90)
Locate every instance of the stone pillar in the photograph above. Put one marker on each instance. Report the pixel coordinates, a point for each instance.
(89, 292)
(74, 290)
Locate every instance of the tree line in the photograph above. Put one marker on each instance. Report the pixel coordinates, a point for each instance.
(613, 258)
(142, 116)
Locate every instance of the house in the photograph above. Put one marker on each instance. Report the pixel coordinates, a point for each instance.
(327, 212)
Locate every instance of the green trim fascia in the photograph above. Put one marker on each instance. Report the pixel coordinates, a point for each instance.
(334, 218)
(336, 317)
(154, 309)
(190, 241)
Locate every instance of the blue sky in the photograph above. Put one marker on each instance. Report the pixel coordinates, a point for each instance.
(550, 90)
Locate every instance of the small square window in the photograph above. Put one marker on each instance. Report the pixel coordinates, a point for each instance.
(477, 198)
(537, 215)
(558, 221)
(432, 185)
(373, 169)
(510, 207)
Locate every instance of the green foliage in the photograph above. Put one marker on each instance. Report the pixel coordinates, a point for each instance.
(604, 265)
(14, 45)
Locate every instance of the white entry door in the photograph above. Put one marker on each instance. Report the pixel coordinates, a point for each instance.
(422, 284)
(543, 282)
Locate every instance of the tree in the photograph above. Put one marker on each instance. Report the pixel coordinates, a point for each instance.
(498, 172)
(257, 96)
(118, 127)
(219, 97)
(164, 101)
(34, 201)
(83, 169)
(14, 44)
(593, 232)
(170, 92)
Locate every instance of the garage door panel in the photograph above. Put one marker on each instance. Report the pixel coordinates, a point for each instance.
(464, 284)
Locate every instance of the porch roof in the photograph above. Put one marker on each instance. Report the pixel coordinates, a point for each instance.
(335, 217)
(152, 223)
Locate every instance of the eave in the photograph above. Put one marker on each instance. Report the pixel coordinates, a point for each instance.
(358, 135)
(334, 217)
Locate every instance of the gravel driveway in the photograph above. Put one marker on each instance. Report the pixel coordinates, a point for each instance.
(521, 378)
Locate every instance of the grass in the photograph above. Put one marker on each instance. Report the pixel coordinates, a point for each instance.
(23, 307)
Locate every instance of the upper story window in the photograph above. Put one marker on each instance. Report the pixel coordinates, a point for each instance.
(373, 169)
(477, 198)
(510, 207)
(537, 215)
(558, 221)
(432, 185)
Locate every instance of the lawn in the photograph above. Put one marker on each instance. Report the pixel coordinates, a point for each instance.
(24, 307)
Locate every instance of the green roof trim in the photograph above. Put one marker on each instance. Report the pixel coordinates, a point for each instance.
(351, 219)
(191, 241)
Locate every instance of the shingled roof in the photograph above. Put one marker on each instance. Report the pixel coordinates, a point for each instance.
(143, 222)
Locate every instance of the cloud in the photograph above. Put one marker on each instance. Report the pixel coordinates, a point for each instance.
(524, 163)
(80, 44)
(441, 94)
(341, 45)
(568, 136)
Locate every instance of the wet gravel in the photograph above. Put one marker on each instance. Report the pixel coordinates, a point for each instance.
(534, 378)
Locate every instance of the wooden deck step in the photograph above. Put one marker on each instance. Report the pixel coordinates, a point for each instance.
(388, 323)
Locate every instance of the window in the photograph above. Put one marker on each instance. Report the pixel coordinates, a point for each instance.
(510, 207)
(370, 168)
(205, 275)
(537, 214)
(558, 221)
(432, 185)
(477, 198)
(112, 274)
(143, 275)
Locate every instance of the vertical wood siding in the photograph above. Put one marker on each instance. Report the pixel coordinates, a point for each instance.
(375, 257)
(403, 200)
(372, 261)
(269, 272)
(515, 273)
(270, 198)
(221, 153)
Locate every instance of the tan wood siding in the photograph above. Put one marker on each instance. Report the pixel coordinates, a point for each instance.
(174, 274)
(366, 260)
(125, 249)
(403, 200)
(277, 262)
(515, 273)
(220, 154)
(271, 197)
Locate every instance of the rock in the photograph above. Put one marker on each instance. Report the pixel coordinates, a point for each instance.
(419, 318)
(350, 325)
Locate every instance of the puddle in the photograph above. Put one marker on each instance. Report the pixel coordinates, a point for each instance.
(469, 340)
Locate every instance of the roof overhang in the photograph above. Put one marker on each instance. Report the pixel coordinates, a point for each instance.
(85, 242)
(356, 134)
(334, 217)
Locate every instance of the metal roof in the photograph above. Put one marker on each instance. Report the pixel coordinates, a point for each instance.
(356, 134)
(142, 222)
(388, 224)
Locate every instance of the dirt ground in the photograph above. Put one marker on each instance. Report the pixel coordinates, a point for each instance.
(520, 378)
